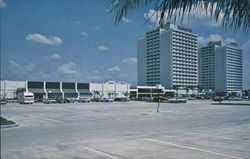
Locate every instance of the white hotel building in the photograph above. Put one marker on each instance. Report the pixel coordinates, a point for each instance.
(168, 56)
(220, 67)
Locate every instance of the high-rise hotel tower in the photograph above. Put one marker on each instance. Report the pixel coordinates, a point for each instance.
(168, 56)
(220, 67)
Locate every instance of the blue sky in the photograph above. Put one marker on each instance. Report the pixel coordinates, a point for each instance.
(76, 40)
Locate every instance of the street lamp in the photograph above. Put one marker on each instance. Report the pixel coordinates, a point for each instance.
(158, 87)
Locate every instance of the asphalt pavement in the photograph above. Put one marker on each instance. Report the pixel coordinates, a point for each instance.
(129, 130)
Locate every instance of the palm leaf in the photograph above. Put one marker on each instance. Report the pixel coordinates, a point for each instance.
(234, 14)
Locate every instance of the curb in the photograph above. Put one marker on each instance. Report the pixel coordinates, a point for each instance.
(245, 104)
(9, 126)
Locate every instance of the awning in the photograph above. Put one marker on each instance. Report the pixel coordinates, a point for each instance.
(69, 91)
(53, 90)
(36, 90)
(84, 91)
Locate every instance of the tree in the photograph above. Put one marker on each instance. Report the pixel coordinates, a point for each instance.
(187, 90)
(126, 94)
(20, 90)
(96, 94)
(233, 14)
(199, 89)
(176, 87)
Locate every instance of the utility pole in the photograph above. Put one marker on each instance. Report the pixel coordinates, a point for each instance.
(158, 107)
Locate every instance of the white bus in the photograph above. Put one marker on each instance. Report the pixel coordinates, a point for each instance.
(26, 98)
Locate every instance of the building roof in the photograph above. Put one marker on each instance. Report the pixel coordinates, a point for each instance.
(86, 91)
(69, 91)
(53, 90)
(36, 90)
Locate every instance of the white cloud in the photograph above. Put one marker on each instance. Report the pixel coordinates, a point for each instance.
(2, 4)
(229, 40)
(197, 17)
(115, 68)
(55, 56)
(102, 48)
(68, 68)
(246, 46)
(96, 72)
(94, 28)
(214, 37)
(39, 38)
(125, 20)
(16, 67)
(30, 67)
(246, 64)
(84, 33)
(77, 22)
(130, 60)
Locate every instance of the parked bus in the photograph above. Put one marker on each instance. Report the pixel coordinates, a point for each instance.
(26, 98)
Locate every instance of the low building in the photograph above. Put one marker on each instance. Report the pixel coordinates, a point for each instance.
(55, 90)
(147, 91)
(69, 90)
(83, 90)
(9, 88)
(110, 89)
(38, 88)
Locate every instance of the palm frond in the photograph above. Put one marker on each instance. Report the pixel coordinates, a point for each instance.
(233, 14)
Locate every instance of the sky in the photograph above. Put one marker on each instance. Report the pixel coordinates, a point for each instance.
(76, 40)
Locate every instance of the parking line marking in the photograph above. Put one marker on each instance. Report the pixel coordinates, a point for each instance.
(191, 148)
(163, 111)
(102, 153)
(49, 119)
(222, 137)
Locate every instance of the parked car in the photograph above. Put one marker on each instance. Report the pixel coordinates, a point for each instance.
(191, 98)
(83, 100)
(218, 99)
(61, 100)
(49, 101)
(176, 100)
(234, 98)
(2, 101)
(122, 99)
(95, 99)
(106, 100)
(72, 100)
(142, 98)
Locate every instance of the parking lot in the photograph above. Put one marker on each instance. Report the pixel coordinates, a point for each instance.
(126, 130)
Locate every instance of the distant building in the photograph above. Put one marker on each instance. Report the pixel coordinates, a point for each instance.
(140, 92)
(168, 56)
(220, 67)
(110, 89)
(54, 90)
(9, 88)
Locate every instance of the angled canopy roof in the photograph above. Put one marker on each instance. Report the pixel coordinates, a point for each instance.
(36, 90)
(69, 91)
(53, 90)
(84, 91)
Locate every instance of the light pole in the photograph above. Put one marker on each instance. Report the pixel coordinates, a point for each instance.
(158, 107)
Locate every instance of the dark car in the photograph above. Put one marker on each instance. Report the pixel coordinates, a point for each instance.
(2, 101)
(122, 99)
(218, 99)
(61, 100)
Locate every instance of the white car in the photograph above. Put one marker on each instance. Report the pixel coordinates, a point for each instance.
(234, 98)
(83, 100)
(106, 100)
(176, 100)
(49, 101)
